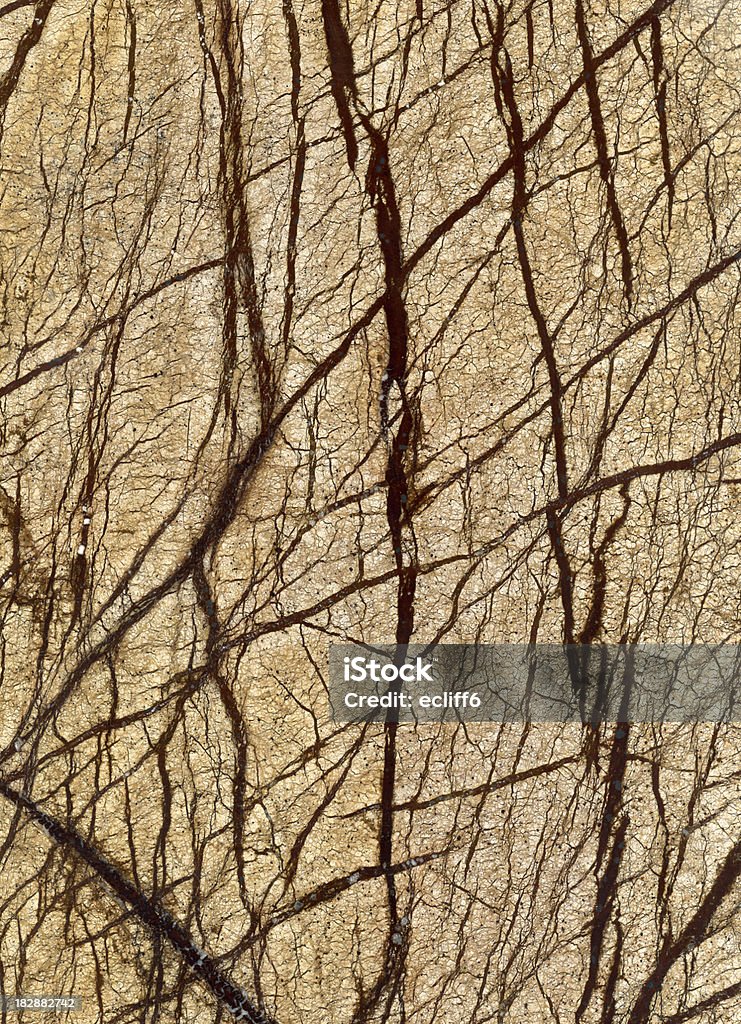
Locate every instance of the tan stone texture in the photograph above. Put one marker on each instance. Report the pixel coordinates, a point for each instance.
(333, 321)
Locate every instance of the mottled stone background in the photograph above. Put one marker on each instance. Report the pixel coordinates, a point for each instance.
(337, 321)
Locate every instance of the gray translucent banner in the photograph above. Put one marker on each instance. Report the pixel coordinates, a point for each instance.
(40, 1004)
(535, 683)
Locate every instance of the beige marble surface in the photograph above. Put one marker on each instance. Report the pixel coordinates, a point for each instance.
(331, 321)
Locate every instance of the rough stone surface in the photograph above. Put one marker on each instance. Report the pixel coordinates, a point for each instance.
(347, 321)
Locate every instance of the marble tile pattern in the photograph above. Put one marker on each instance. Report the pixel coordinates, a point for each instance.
(330, 321)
